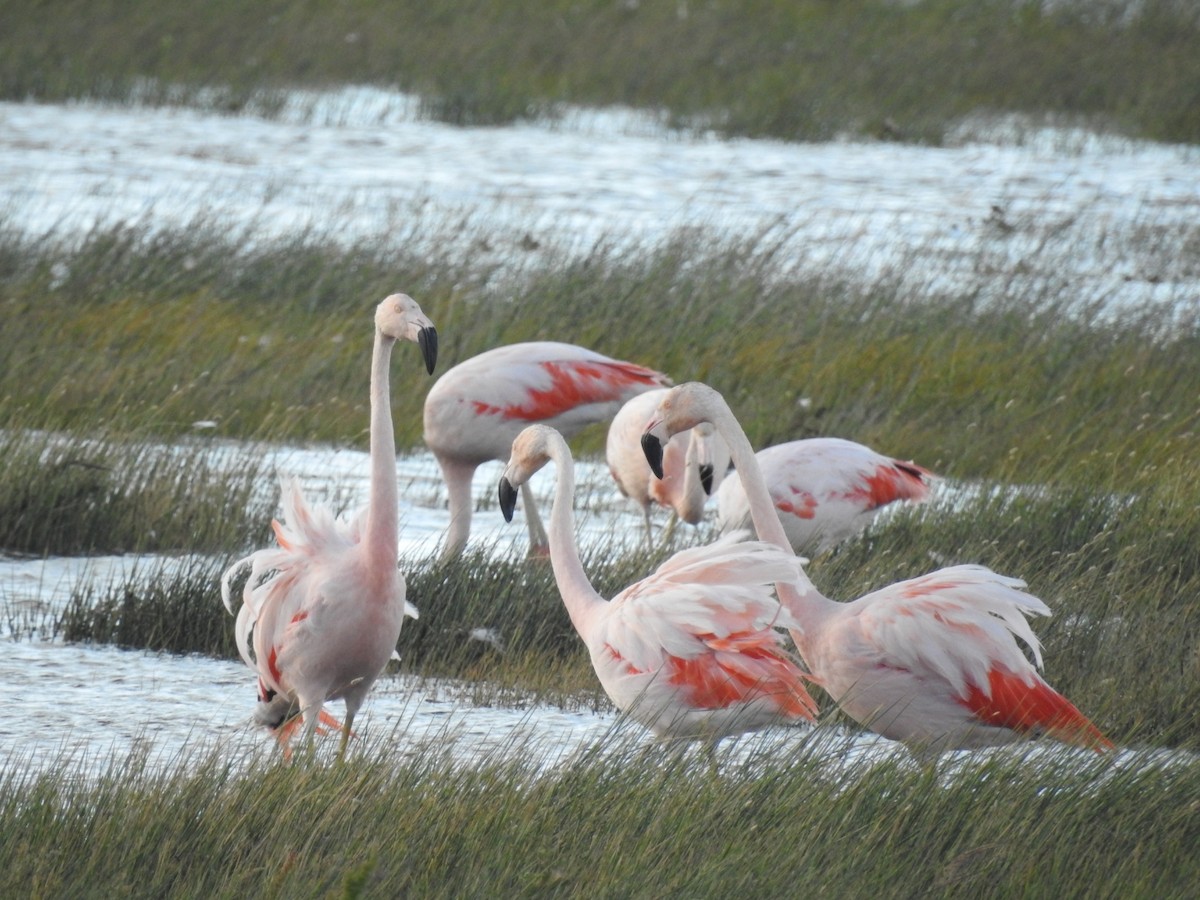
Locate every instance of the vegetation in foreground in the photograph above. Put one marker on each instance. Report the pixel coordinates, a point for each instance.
(793, 69)
(613, 823)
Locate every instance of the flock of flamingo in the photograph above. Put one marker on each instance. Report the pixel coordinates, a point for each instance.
(695, 651)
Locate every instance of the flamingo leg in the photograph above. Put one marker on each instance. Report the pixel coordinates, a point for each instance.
(346, 735)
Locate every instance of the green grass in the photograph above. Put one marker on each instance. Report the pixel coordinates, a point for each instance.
(618, 821)
(149, 333)
(794, 69)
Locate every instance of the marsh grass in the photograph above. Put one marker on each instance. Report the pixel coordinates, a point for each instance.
(172, 608)
(67, 494)
(801, 69)
(617, 820)
(1005, 378)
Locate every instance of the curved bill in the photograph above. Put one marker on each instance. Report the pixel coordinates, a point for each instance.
(427, 340)
(652, 447)
(508, 498)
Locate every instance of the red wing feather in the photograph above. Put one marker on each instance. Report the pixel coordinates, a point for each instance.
(1033, 707)
(574, 384)
(896, 481)
(711, 683)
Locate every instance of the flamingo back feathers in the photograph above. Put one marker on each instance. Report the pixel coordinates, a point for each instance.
(959, 622)
(705, 620)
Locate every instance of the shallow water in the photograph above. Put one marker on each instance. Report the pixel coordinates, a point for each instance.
(1105, 215)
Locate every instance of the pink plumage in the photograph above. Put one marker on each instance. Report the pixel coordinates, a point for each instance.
(694, 464)
(321, 612)
(932, 661)
(476, 409)
(824, 490)
(690, 651)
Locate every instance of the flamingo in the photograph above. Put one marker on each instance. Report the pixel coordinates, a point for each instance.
(689, 652)
(824, 490)
(475, 410)
(321, 613)
(932, 662)
(693, 466)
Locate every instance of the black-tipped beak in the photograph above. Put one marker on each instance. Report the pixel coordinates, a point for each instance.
(427, 339)
(652, 447)
(706, 476)
(508, 498)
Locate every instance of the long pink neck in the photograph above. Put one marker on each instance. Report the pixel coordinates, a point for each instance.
(577, 592)
(382, 532)
(801, 597)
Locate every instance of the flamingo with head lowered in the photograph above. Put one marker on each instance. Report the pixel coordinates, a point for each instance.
(694, 464)
(476, 409)
(824, 490)
(932, 661)
(321, 613)
(690, 651)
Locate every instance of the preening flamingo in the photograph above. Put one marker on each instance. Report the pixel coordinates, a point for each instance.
(824, 490)
(694, 464)
(689, 651)
(476, 409)
(932, 661)
(321, 613)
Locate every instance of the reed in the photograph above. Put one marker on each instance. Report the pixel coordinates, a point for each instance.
(619, 819)
(77, 494)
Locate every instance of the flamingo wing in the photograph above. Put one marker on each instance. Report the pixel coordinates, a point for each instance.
(566, 390)
(477, 408)
(705, 621)
(959, 626)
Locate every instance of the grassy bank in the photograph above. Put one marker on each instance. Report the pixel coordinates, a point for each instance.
(1011, 378)
(794, 69)
(614, 823)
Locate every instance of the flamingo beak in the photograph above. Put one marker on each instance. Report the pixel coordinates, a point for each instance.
(427, 339)
(508, 498)
(706, 477)
(652, 447)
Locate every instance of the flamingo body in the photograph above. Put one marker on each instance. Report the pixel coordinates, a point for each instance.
(824, 490)
(694, 464)
(476, 409)
(689, 651)
(933, 661)
(322, 611)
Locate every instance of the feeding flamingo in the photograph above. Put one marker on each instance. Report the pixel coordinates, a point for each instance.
(824, 490)
(694, 464)
(689, 651)
(475, 410)
(323, 610)
(932, 661)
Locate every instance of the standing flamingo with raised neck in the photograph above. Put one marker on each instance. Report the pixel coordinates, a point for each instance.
(824, 490)
(323, 610)
(932, 661)
(475, 410)
(690, 651)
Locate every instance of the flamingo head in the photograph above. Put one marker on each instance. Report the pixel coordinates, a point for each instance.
(401, 319)
(530, 451)
(682, 407)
